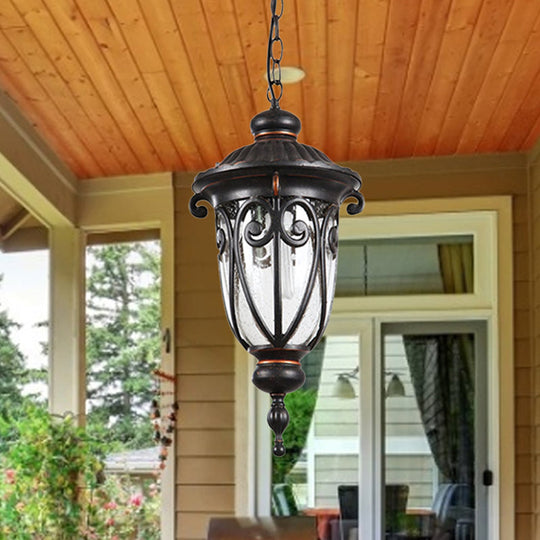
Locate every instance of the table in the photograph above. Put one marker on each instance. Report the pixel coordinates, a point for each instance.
(323, 517)
(270, 528)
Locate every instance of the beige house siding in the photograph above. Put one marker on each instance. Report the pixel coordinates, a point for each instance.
(205, 364)
(205, 369)
(531, 376)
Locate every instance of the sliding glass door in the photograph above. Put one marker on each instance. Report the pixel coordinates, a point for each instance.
(388, 437)
(434, 431)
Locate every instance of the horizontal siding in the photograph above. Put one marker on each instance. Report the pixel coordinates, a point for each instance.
(214, 498)
(415, 471)
(528, 459)
(194, 524)
(332, 471)
(204, 361)
(205, 442)
(341, 355)
(205, 369)
(198, 470)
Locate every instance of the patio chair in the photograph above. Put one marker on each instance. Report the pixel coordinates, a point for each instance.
(348, 510)
(396, 496)
(454, 503)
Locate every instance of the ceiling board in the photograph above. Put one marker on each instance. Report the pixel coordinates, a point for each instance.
(425, 53)
(402, 26)
(130, 86)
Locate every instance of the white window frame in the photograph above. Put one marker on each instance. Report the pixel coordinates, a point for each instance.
(134, 203)
(489, 220)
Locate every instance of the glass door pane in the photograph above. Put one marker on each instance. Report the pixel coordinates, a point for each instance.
(433, 432)
(319, 475)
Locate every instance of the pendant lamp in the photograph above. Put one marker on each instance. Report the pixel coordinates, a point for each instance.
(276, 204)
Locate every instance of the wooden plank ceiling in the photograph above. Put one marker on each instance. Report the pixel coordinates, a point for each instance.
(127, 86)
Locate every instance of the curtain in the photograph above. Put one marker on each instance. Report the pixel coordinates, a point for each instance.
(442, 372)
(456, 267)
(443, 383)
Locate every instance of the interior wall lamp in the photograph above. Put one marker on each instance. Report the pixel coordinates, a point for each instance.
(344, 389)
(276, 204)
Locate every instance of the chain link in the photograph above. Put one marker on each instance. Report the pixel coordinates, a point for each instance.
(274, 57)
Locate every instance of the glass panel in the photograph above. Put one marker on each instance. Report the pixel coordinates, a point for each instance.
(320, 472)
(400, 266)
(256, 257)
(429, 465)
(286, 252)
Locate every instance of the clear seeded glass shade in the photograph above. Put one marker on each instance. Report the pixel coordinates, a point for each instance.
(277, 265)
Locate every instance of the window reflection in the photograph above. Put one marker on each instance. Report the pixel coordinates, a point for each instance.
(403, 266)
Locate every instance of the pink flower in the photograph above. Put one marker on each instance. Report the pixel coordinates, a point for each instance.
(111, 505)
(115, 537)
(109, 522)
(136, 499)
(10, 476)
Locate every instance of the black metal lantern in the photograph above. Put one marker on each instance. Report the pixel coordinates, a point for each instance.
(277, 203)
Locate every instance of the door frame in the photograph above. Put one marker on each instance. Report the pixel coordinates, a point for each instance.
(496, 308)
(483, 419)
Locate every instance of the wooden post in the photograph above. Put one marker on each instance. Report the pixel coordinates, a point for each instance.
(67, 389)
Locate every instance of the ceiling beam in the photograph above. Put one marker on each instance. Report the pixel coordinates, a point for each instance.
(123, 203)
(31, 172)
(14, 223)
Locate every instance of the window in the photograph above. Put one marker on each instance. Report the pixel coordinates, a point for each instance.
(403, 266)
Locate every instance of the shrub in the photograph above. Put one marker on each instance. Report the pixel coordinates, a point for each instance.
(52, 486)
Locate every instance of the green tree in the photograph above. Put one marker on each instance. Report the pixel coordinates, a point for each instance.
(300, 405)
(123, 345)
(13, 372)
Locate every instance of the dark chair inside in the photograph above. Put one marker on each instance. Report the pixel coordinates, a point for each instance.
(348, 509)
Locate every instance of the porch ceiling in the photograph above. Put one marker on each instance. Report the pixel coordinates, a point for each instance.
(127, 86)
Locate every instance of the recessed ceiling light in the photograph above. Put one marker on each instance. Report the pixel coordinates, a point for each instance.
(290, 74)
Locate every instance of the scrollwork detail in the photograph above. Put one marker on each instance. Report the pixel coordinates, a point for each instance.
(298, 235)
(355, 208)
(257, 234)
(333, 240)
(198, 211)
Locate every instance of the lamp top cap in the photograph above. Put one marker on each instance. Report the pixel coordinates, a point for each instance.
(275, 122)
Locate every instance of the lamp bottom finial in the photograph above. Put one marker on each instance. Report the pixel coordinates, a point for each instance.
(278, 378)
(278, 420)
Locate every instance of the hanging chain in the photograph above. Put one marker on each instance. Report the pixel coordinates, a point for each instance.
(274, 56)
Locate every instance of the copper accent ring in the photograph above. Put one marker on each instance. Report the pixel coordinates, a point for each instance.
(293, 362)
(265, 133)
